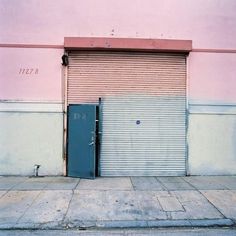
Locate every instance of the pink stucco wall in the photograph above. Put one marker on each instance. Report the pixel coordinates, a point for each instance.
(210, 24)
(30, 74)
(212, 78)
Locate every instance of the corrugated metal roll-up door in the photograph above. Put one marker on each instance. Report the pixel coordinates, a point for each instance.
(143, 109)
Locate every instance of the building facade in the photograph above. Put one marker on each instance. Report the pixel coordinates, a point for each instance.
(164, 72)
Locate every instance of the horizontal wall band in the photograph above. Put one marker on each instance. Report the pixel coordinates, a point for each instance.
(214, 50)
(227, 109)
(32, 46)
(222, 109)
(50, 46)
(57, 107)
(39, 107)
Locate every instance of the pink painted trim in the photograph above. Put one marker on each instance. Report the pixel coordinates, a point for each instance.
(168, 45)
(214, 50)
(31, 46)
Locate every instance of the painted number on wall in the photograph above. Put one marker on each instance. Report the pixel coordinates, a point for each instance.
(28, 71)
(78, 116)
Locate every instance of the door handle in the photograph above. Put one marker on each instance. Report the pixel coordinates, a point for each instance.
(92, 141)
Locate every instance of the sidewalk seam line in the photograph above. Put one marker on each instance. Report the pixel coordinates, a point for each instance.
(73, 189)
(73, 192)
(40, 191)
(6, 191)
(212, 204)
(72, 195)
(11, 189)
(134, 189)
(162, 185)
(224, 217)
(177, 197)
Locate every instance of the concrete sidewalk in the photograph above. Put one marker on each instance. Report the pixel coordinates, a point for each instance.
(63, 202)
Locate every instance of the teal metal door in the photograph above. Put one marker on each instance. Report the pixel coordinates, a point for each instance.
(81, 141)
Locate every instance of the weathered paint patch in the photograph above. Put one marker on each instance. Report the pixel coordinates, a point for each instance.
(212, 145)
(31, 138)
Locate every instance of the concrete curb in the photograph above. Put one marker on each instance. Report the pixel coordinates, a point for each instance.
(150, 224)
(122, 224)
